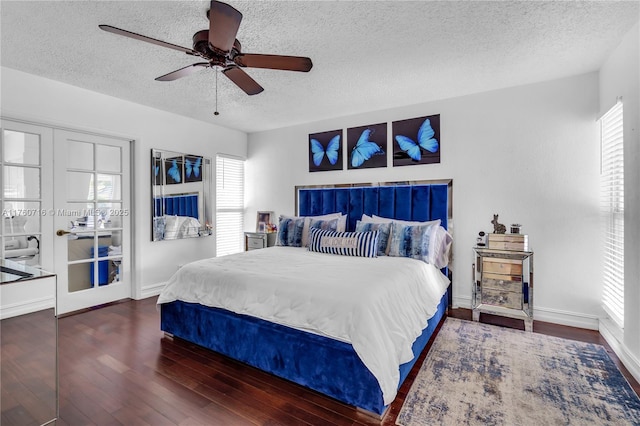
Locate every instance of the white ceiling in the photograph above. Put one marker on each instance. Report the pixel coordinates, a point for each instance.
(367, 55)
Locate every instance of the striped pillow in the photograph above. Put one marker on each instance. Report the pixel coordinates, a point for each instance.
(363, 244)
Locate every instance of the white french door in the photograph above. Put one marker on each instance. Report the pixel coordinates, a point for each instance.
(92, 220)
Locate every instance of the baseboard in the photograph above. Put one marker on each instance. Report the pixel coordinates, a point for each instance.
(461, 302)
(546, 314)
(152, 290)
(572, 319)
(613, 335)
(26, 307)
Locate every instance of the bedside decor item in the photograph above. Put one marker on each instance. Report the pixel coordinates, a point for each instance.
(325, 151)
(498, 228)
(367, 146)
(416, 141)
(480, 241)
(516, 228)
(264, 221)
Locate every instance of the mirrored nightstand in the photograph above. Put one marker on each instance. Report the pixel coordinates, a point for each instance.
(503, 284)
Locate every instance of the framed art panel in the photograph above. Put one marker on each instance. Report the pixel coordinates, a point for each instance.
(174, 170)
(416, 141)
(325, 151)
(192, 168)
(367, 146)
(157, 173)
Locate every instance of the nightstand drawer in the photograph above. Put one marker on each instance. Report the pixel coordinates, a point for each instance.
(256, 243)
(502, 266)
(506, 299)
(502, 284)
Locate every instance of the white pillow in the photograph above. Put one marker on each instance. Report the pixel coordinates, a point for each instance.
(379, 219)
(440, 248)
(171, 227)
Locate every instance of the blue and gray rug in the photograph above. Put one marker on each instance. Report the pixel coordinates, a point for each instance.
(479, 374)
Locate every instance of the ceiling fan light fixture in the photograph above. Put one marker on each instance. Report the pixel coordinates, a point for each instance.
(220, 48)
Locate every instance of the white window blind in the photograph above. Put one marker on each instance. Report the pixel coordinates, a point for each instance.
(229, 205)
(612, 191)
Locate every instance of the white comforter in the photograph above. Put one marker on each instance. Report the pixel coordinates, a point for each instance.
(379, 305)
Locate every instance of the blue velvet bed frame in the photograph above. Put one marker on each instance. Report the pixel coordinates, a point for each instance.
(176, 205)
(325, 365)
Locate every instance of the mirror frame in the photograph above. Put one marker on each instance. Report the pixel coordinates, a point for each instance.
(179, 183)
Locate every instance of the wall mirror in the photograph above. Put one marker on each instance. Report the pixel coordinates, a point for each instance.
(180, 195)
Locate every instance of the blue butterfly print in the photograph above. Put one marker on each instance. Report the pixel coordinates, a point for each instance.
(192, 168)
(332, 151)
(425, 141)
(156, 169)
(174, 171)
(364, 149)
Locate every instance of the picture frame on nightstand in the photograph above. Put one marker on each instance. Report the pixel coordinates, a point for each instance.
(263, 219)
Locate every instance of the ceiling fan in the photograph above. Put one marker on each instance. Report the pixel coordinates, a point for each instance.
(220, 48)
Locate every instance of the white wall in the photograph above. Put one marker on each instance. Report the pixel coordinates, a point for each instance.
(33, 98)
(620, 76)
(529, 153)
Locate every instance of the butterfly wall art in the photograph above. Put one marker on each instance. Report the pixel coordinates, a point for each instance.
(192, 168)
(416, 141)
(367, 146)
(325, 151)
(174, 170)
(157, 174)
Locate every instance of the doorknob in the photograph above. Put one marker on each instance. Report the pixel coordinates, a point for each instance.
(61, 232)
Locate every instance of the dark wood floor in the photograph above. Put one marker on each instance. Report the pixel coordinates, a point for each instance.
(116, 367)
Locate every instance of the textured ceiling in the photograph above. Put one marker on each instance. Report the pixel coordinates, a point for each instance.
(367, 55)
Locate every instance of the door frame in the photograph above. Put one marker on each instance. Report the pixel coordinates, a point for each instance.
(133, 146)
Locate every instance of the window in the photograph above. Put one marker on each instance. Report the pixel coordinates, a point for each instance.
(612, 192)
(229, 205)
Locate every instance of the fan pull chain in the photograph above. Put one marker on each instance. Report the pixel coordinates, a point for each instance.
(216, 111)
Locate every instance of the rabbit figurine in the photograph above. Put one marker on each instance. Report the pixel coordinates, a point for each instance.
(498, 228)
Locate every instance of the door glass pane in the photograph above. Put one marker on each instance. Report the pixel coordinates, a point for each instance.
(79, 155)
(111, 214)
(108, 158)
(80, 277)
(21, 148)
(80, 246)
(22, 217)
(109, 187)
(114, 270)
(79, 186)
(21, 182)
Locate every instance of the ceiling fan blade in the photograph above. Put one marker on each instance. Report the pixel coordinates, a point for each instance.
(183, 72)
(275, 62)
(114, 30)
(224, 22)
(243, 80)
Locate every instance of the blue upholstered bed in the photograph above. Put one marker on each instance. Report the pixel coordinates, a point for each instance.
(329, 366)
(176, 205)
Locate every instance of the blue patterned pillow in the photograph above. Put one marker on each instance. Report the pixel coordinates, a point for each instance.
(383, 239)
(290, 231)
(410, 241)
(326, 225)
(364, 244)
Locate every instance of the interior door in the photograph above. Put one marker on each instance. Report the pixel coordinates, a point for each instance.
(92, 219)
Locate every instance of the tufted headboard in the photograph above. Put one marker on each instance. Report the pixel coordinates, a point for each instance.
(177, 205)
(420, 201)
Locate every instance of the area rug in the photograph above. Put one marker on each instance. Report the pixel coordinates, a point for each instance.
(480, 374)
